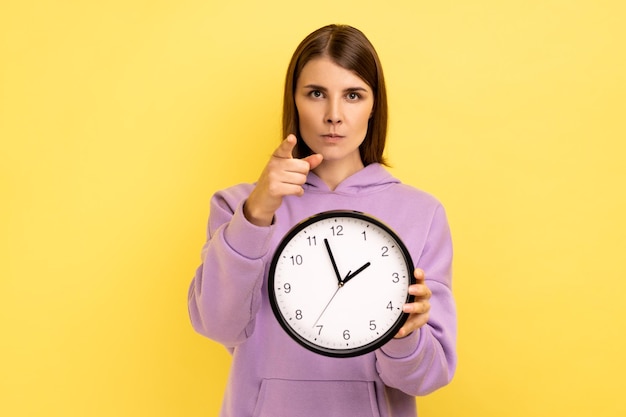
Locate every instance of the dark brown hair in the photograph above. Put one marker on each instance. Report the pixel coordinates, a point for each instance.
(350, 49)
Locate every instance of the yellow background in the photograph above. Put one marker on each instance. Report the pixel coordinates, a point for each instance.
(119, 119)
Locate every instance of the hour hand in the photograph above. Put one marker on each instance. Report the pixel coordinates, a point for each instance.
(355, 273)
(332, 260)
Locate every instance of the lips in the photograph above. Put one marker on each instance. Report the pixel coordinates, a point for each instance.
(333, 136)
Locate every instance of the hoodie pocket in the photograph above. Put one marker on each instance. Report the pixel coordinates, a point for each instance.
(286, 398)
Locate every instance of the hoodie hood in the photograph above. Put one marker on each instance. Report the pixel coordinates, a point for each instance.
(373, 178)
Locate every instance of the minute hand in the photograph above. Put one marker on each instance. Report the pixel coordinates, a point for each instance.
(332, 260)
(354, 274)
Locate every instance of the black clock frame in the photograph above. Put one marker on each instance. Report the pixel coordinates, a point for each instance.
(338, 353)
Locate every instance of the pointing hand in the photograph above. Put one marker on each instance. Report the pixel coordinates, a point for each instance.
(283, 176)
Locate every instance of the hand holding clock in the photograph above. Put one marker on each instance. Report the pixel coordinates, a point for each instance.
(283, 175)
(420, 307)
(349, 312)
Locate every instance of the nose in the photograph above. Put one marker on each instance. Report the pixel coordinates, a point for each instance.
(333, 112)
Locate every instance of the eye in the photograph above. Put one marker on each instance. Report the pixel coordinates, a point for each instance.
(316, 94)
(353, 96)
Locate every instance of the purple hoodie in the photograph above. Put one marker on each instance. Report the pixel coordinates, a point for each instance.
(274, 376)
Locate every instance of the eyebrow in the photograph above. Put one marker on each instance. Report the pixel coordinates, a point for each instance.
(321, 88)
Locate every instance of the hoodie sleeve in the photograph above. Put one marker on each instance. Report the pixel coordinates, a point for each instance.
(225, 292)
(426, 359)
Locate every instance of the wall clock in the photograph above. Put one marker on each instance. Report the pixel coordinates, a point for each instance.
(338, 281)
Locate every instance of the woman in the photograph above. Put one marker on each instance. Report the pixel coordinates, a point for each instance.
(334, 124)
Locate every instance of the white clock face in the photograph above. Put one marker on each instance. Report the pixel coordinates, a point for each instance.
(338, 282)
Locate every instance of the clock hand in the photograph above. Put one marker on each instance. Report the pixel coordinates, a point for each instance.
(348, 277)
(354, 274)
(323, 311)
(332, 260)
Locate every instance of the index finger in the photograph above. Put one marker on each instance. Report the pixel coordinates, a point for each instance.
(419, 275)
(285, 148)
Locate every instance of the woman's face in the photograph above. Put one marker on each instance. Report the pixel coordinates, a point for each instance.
(334, 107)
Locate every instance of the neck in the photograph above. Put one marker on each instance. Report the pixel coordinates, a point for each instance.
(333, 173)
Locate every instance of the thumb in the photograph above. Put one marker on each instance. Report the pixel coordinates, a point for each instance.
(285, 148)
(314, 160)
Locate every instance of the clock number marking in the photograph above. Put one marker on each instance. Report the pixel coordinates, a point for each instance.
(396, 277)
(346, 335)
(385, 251)
(390, 306)
(298, 314)
(364, 235)
(312, 240)
(296, 260)
(372, 325)
(337, 230)
(287, 288)
(320, 329)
